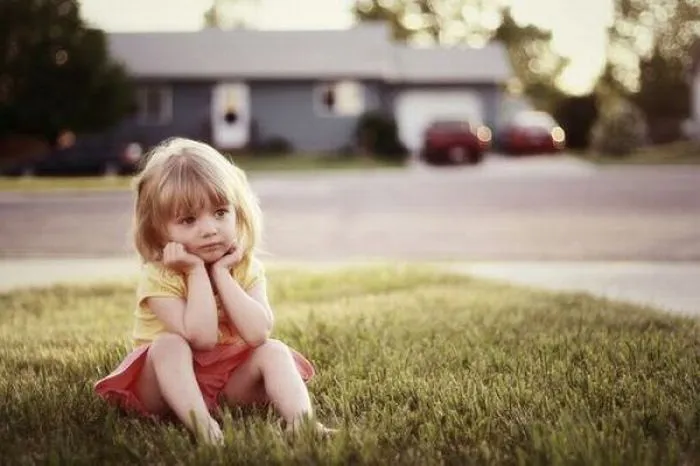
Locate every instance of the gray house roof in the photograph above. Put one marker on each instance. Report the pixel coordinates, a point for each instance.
(487, 64)
(365, 51)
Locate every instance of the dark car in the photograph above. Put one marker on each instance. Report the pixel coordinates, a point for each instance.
(86, 156)
(532, 133)
(455, 142)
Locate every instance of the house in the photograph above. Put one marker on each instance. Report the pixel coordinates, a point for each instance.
(229, 87)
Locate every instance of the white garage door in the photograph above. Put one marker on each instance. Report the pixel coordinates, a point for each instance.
(415, 109)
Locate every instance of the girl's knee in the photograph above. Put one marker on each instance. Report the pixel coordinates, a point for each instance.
(274, 349)
(167, 345)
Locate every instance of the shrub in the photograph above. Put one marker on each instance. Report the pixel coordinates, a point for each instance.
(377, 134)
(620, 130)
(276, 145)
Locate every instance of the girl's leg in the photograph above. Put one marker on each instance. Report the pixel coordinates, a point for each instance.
(168, 381)
(270, 374)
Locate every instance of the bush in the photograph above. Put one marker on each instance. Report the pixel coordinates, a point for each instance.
(620, 131)
(276, 145)
(377, 134)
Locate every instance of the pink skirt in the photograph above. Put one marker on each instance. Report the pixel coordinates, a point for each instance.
(212, 368)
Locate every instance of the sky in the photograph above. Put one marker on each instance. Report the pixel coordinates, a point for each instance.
(578, 26)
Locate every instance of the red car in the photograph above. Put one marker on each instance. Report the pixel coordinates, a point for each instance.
(532, 133)
(453, 142)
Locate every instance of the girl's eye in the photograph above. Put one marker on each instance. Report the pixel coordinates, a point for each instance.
(187, 220)
(221, 213)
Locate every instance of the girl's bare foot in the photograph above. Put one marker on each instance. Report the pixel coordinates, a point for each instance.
(307, 425)
(325, 431)
(213, 435)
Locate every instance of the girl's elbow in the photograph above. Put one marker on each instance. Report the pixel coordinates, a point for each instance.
(205, 343)
(258, 338)
(201, 345)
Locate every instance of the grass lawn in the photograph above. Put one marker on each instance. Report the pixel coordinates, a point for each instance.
(677, 153)
(415, 367)
(41, 183)
(252, 164)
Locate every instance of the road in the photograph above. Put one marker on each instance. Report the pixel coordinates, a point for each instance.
(543, 208)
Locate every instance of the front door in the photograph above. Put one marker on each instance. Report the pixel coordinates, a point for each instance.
(230, 115)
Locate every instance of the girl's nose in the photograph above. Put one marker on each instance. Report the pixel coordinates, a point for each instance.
(208, 227)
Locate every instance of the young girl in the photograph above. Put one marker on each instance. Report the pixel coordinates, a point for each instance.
(203, 320)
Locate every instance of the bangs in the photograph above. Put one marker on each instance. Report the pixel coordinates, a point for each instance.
(187, 189)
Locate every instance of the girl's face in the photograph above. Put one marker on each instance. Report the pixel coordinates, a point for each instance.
(209, 232)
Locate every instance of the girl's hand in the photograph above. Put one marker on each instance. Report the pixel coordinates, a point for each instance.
(229, 259)
(177, 258)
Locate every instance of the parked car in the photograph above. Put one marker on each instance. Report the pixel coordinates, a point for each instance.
(85, 156)
(531, 133)
(455, 142)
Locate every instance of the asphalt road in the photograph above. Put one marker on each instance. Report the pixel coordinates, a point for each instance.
(533, 209)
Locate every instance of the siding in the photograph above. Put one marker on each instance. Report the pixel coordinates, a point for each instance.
(290, 109)
(190, 116)
(287, 109)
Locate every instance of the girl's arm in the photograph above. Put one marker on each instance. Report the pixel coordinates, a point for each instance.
(250, 313)
(194, 318)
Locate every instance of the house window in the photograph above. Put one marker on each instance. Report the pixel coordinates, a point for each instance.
(340, 98)
(155, 104)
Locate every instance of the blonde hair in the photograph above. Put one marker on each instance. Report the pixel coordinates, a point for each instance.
(181, 175)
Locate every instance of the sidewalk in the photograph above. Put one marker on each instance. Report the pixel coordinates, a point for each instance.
(670, 286)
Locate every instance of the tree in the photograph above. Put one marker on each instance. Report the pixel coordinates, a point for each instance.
(55, 72)
(536, 65)
(664, 94)
(649, 56)
(476, 22)
(224, 14)
(428, 21)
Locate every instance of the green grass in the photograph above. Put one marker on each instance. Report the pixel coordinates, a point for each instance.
(677, 153)
(41, 183)
(251, 164)
(414, 367)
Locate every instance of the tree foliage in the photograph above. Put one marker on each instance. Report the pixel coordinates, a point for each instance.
(476, 22)
(650, 54)
(227, 14)
(534, 61)
(55, 72)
